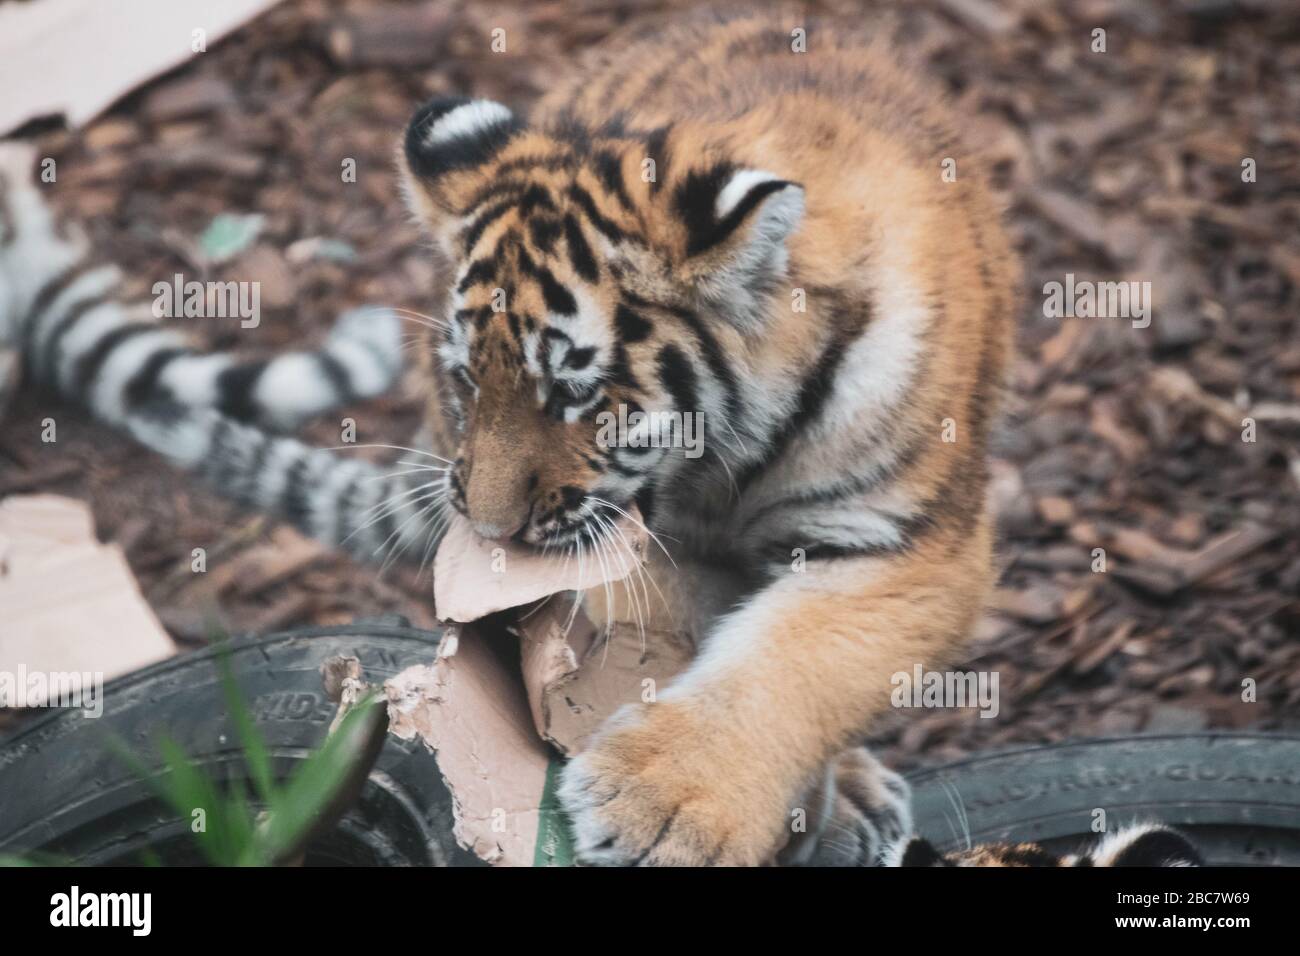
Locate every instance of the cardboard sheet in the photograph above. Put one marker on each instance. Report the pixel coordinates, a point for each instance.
(474, 577)
(75, 58)
(576, 676)
(469, 709)
(500, 740)
(68, 604)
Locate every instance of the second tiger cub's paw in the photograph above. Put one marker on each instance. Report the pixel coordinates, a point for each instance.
(859, 810)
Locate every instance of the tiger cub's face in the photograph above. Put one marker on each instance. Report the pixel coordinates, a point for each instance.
(572, 285)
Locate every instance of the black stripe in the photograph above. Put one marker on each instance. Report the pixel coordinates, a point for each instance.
(781, 552)
(51, 289)
(497, 188)
(339, 378)
(677, 376)
(143, 386)
(89, 365)
(632, 326)
(533, 163)
(588, 206)
(713, 356)
(475, 230)
(295, 500)
(645, 503)
(910, 531)
(344, 506)
(580, 255)
(814, 391)
(47, 365)
(544, 230)
(573, 132)
(483, 270)
(562, 161)
(622, 470)
(757, 44)
(695, 201)
(235, 387)
(613, 128)
(656, 147)
(637, 451)
(856, 487)
(559, 300)
(535, 197)
(609, 168)
(219, 462)
(256, 465)
(620, 369)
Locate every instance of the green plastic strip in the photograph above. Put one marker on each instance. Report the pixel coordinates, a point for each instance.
(554, 842)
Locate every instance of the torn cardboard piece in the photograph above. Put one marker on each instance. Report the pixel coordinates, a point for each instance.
(71, 604)
(490, 732)
(575, 676)
(75, 58)
(489, 729)
(474, 577)
(471, 711)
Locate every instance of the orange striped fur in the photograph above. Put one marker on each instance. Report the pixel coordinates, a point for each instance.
(797, 270)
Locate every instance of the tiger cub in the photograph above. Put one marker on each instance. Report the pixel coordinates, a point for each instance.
(716, 220)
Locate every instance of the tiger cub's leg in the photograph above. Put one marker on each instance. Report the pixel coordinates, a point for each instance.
(708, 773)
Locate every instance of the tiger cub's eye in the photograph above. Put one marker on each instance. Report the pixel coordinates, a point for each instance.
(568, 395)
(577, 393)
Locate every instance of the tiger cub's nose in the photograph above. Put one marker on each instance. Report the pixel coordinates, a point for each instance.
(496, 532)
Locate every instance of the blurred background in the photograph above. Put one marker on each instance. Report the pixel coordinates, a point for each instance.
(1125, 164)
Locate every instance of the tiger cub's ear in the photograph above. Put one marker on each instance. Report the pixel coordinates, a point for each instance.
(917, 851)
(731, 243)
(448, 146)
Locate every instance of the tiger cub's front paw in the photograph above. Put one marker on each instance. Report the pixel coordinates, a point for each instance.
(661, 788)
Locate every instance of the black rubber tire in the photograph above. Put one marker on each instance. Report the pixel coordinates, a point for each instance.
(1237, 795)
(64, 792)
